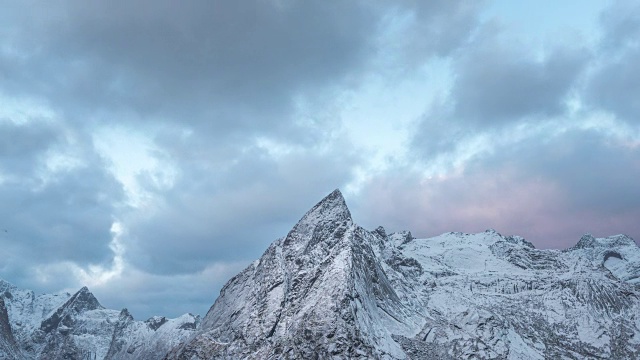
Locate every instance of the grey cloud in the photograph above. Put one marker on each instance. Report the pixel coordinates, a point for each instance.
(615, 86)
(439, 27)
(621, 25)
(226, 65)
(594, 172)
(22, 145)
(498, 82)
(52, 216)
(146, 295)
(615, 80)
(437, 131)
(68, 219)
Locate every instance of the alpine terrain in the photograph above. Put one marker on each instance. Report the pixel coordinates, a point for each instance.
(331, 289)
(65, 326)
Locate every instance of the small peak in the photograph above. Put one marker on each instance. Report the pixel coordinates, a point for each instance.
(408, 237)
(125, 315)
(195, 317)
(5, 285)
(586, 241)
(188, 321)
(381, 231)
(621, 240)
(83, 300)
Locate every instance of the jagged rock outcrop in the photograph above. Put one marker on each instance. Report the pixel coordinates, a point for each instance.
(331, 289)
(78, 327)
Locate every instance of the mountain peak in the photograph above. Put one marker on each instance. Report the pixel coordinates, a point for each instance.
(81, 301)
(586, 241)
(589, 241)
(331, 209)
(5, 285)
(335, 194)
(84, 300)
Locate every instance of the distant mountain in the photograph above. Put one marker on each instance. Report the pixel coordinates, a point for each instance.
(332, 289)
(65, 326)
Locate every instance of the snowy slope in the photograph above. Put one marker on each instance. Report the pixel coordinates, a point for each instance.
(498, 296)
(331, 289)
(151, 339)
(65, 326)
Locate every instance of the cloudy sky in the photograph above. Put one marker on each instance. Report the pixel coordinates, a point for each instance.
(151, 150)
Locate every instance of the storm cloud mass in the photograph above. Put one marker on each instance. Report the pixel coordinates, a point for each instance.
(150, 150)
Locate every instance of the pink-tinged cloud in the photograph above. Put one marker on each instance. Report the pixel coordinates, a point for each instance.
(537, 208)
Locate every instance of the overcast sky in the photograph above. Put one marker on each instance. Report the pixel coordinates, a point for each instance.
(151, 150)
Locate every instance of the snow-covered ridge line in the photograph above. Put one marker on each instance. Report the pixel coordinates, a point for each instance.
(332, 289)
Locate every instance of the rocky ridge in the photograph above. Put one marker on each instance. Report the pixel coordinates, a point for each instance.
(65, 326)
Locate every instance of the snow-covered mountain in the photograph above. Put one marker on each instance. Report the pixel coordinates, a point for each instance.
(332, 289)
(65, 326)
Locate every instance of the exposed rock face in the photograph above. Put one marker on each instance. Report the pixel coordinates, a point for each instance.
(64, 316)
(8, 346)
(331, 289)
(64, 326)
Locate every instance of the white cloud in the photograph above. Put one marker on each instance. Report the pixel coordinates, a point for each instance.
(132, 154)
(23, 110)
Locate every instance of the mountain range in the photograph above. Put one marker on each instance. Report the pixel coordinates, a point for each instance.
(331, 289)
